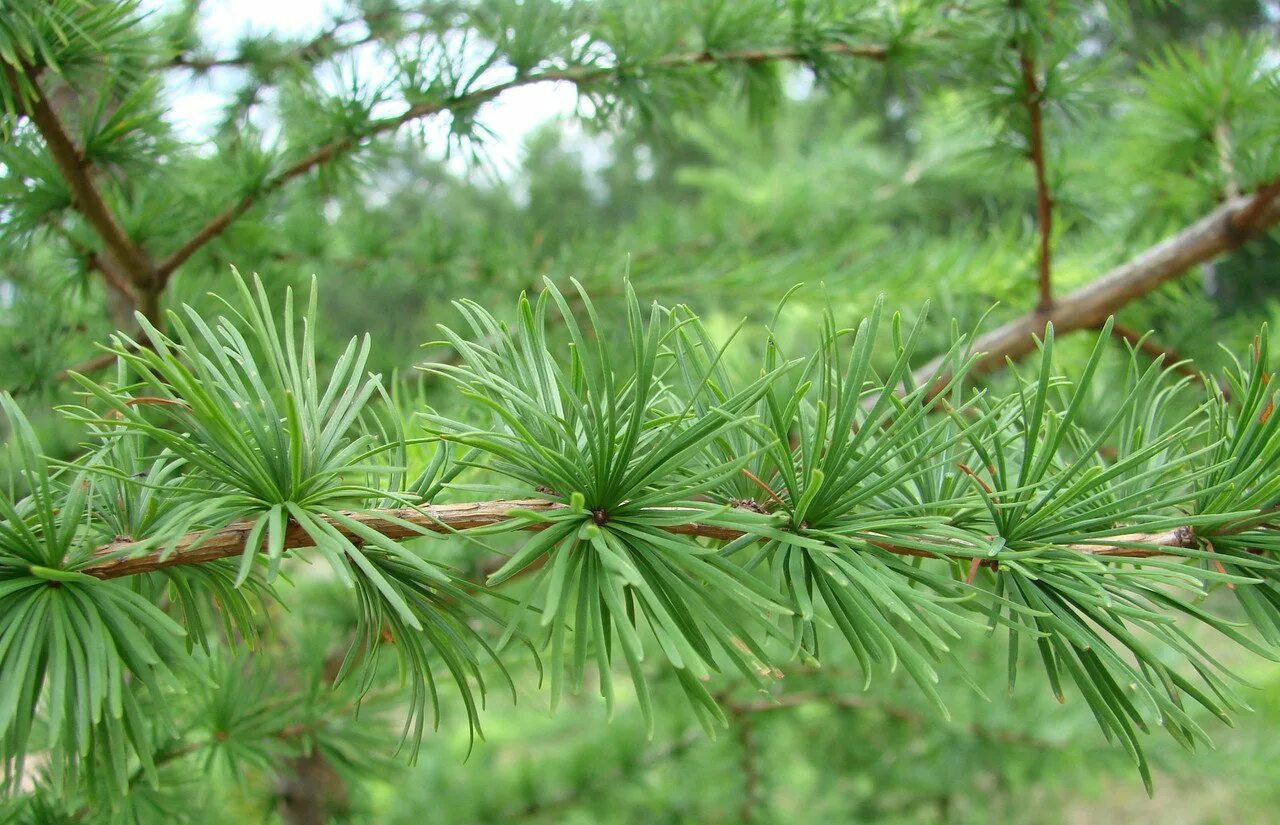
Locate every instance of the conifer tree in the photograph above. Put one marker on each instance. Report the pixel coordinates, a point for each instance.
(250, 564)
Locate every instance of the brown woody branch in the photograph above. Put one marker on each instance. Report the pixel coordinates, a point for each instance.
(577, 76)
(320, 47)
(1222, 230)
(86, 367)
(1260, 212)
(1031, 100)
(86, 198)
(116, 560)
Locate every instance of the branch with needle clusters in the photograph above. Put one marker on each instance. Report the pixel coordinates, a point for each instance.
(86, 197)
(125, 558)
(660, 505)
(148, 275)
(322, 46)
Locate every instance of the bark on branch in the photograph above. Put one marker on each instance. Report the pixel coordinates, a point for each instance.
(1031, 94)
(1222, 230)
(86, 197)
(199, 547)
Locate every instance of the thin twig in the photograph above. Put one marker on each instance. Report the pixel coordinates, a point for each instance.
(92, 365)
(577, 76)
(1222, 143)
(318, 48)
(1031, 100)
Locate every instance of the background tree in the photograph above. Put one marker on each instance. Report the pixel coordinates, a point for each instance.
(1068, 161)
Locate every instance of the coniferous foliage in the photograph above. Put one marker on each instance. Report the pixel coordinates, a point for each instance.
(870, 504)
(255, 554)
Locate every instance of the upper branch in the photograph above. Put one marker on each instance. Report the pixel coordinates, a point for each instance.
(201, 547)
(75, 170)
(1031, 100)
(1222, 230)
(577, 76)
(322, 46)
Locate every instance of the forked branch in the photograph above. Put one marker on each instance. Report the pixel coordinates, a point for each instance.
(1222, 230)
(1032, 95)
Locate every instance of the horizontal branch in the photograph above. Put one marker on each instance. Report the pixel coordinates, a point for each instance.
(87, 366)
(324, 45)
(202, 547)
(1222, 230)
(578, 76)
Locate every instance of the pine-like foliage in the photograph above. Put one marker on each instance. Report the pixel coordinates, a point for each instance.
(676, 511)
(249, 562)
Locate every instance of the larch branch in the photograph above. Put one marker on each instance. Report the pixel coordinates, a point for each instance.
(87, 199)
(322, 46)
(577, 76)
(1031, 100)
(116, 560)
(86, 367)
(1260, 212)
(1222, 230)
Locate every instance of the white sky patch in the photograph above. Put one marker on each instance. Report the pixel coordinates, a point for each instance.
(196, 101)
